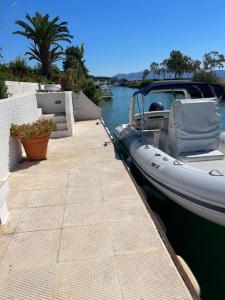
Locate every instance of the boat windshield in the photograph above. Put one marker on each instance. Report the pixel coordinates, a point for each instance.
(165, 97)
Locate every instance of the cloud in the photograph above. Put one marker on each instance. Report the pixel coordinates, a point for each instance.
(14, 3)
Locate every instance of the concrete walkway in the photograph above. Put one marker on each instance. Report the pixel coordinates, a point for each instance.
(78, 229)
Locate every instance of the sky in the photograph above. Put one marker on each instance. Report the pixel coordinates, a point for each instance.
(123, 36)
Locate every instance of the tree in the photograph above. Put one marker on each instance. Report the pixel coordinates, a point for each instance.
(74, 60)
(145, 73)
(154, 67)
(163, 68)
(213, 60)
(46, 36)
(177, 62)
(196, 65)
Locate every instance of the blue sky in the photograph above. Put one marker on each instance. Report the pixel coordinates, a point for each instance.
(124, 36)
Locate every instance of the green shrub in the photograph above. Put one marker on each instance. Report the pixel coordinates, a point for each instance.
(19, 67)
(67, 81)
(204, 76)
(3, 90)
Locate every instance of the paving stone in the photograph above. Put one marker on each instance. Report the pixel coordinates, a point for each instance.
(91, 279)
(18, 199)
(28, 284)
(134, 237)
(51, 182)
(150, 277)
(85, 242)
(32, 249)
(41, 218)
(85, 213)
(88, 194)
(47, 197)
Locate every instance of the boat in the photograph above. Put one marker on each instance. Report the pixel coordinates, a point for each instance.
(106, 92)
(181, 150)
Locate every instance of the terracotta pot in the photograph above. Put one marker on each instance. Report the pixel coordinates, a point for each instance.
(36, 148)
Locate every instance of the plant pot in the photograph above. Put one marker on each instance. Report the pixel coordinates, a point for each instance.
(36, 148)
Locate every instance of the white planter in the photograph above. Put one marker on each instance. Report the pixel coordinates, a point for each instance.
(52, 87)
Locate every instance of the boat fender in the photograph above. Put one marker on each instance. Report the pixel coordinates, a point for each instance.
(190, 275)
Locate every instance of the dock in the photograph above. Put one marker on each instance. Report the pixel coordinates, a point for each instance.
(79, 229)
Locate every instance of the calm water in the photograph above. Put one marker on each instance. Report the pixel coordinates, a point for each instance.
(199, 242)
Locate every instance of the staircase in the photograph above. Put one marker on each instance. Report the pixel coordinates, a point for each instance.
(61, 124)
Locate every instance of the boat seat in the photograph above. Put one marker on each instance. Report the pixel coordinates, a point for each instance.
(201, 156)
(194, 126)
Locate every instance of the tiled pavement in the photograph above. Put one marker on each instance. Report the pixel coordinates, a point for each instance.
(78, 229)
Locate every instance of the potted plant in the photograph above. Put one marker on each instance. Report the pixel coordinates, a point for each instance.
(34, 137)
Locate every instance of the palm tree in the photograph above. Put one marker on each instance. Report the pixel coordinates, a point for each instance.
(46, 36)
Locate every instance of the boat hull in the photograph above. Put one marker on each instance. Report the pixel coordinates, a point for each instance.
(191, 188)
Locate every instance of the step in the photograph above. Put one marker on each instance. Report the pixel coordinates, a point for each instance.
(60, 134)
(54, 117)
(61, 126)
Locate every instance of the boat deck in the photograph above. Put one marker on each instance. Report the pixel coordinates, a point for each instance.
(78, 229)
(209, 165)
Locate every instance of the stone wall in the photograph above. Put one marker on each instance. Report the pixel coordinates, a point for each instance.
(17, 110)
(16, 88)
(84, 108)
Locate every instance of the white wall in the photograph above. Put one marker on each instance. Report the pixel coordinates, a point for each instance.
(84, 108)
(51, 102)
(16, 88)
(17, 110)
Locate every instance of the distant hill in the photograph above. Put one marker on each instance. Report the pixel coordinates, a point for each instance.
(139, 75)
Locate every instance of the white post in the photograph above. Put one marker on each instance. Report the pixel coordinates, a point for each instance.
(132, 111)
(69, 113)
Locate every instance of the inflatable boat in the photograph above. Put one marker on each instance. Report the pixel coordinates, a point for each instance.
(181, 150)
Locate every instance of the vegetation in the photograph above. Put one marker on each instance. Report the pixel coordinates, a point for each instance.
(213, 60)
(3, 90)
(76, 76)
(135, 84)
(145, 73)
(204, 76)
(177, 64)
(67, 80)
(37, 129)
(46, 36)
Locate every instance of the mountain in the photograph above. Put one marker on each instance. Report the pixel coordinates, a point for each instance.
(139, 75)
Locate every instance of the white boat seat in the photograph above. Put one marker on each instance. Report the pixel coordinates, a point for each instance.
(194, 126)
(201, 156)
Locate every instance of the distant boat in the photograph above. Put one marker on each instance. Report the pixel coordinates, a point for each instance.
(180, 151)
(106, 92)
